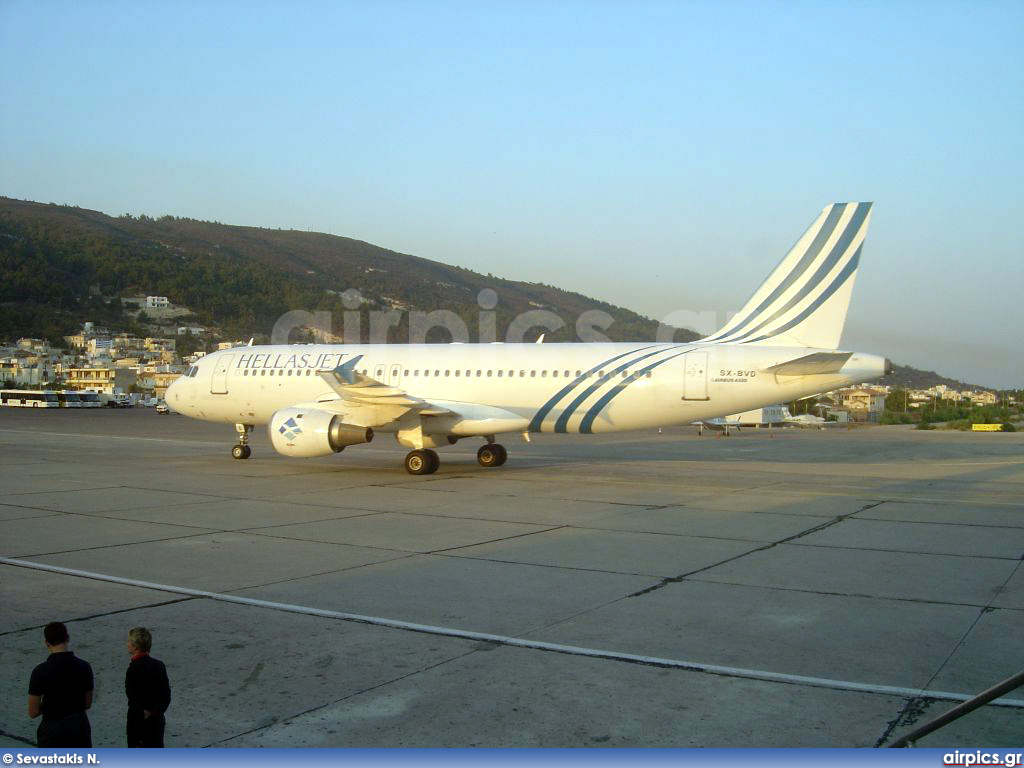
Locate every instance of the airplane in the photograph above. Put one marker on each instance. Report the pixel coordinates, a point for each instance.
(807, 420)
(721, 424)
(318, 399)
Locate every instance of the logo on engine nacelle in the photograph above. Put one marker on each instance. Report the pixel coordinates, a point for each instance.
(290, 429)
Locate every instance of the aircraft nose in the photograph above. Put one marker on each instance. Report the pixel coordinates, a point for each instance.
(173, 394)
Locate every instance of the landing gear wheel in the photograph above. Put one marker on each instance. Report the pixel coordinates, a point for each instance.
(492, 455)
(435, 460)
(421, 462)
(242, 450)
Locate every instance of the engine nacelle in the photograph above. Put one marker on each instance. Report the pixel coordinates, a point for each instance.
(308, 432)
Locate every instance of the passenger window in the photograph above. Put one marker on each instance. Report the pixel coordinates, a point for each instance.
(478, 374)
(406, 373)
(578, 373)
(543, 374)
(447, 373)
(500, 373)
(456, 373)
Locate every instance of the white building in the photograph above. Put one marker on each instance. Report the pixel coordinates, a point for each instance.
(157, 302)
(100, 346)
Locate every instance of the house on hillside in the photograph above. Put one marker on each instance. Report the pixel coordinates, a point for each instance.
(107, 380)
(864, 404)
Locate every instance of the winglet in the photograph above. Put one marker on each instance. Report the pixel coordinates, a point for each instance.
(347, 371)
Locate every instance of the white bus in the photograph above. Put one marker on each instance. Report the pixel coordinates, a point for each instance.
(69, 399)
(29, 398)
(90, 399)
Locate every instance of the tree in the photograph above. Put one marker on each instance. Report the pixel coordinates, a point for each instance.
(896, 400)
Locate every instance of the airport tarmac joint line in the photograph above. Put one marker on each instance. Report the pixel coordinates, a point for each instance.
(770, 545)
(517, 642)
(915, 708)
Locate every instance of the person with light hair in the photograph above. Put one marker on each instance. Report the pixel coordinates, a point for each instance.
(148, 691)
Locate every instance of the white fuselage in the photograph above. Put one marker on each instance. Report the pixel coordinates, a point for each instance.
(574, 388)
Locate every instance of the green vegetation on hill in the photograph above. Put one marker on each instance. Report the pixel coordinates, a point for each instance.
(952, 414)
(63, 265)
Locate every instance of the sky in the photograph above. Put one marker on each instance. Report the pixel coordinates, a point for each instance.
(662, 156)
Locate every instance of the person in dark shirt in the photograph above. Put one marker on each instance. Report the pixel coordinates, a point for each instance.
(60, 690)
(149, 692)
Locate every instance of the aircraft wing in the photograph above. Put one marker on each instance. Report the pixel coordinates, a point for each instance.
(373, 403)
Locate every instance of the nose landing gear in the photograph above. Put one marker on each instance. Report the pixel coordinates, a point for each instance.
(242, 450)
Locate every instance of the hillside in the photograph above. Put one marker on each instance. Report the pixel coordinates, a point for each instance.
(905, 377)
(63, 265)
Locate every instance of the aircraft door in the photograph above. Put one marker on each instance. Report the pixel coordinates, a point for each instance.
(695, 376)
(395, 376)
(219, 383)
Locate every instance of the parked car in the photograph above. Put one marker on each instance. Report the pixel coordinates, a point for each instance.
(162, 408)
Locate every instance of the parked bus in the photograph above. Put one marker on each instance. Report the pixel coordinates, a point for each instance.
(29, 398)
(69, 399)
(90, 399)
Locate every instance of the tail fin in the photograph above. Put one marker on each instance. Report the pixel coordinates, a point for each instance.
(805, 299)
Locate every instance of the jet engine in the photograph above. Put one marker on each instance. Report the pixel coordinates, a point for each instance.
(308, 432)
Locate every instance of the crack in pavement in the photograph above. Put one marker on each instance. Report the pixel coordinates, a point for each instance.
(676, 579)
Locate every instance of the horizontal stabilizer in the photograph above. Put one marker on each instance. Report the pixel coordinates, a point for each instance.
(809, 365)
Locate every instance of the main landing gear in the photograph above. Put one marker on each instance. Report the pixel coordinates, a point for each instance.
(242, 450)
(422, 462)
(425, 461)
(492, 455)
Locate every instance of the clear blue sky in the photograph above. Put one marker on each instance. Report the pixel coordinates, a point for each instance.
(659, 155)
